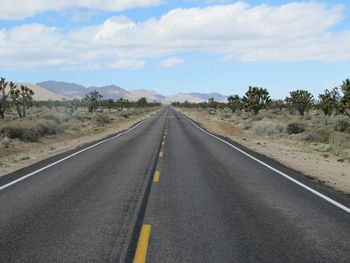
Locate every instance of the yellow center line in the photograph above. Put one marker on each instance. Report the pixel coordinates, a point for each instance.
(161, 154)
(156, 176)
(142, 245)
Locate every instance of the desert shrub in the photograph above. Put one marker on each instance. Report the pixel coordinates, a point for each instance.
(245, 125)
(57, 117)
(295, 127)
(47, 127)
(125, 115)
(22, 130)
(6, 142)
(29, 131)
(270, 115)
(317, 135)
(340, 140)
(265, 128)
(82, 116)
(226, 116)
(102, 119)
(257, 117)
(342, 125)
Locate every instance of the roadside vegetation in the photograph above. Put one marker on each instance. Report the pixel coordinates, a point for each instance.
(296, 131)
(32, 130)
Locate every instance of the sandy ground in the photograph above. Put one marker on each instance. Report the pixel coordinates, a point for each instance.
(31, 153)
(292, 153)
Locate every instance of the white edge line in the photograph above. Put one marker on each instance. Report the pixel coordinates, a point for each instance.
(68, 157)
(346, 209)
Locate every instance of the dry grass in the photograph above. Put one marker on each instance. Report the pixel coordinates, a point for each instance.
(45, 133)
(316, 145)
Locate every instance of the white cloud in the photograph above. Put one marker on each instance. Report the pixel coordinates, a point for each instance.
(290, 32)
(171, 62)
(17, 9)
(86, 67)
(127, 64)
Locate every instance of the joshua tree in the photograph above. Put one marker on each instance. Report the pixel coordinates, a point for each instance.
(21, 98)
(122, 103)
(142, 102)
(301, 100)
(72, 105)
(289, 105)
(3, 97)
(277, 105)
(50, 104)
(75, 103)
(93, 100)
(212, 104)
(256, 99)
(329, 101)
(109, 104)
(234, 103)
(345, 100)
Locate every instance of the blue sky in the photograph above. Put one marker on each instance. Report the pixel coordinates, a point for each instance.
(178, 46)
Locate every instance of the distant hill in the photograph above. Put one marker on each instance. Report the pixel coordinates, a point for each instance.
(206, 96)
(111, 92)
(41, 93)
(182, 97)
(151, 95)
(72, 90)
(196, 97)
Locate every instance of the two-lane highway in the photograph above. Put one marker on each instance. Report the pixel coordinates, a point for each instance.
(209, 202)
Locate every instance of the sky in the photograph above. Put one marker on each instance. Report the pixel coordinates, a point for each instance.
(178, 46)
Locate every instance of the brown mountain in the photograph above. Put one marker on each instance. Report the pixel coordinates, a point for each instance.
(41, 93)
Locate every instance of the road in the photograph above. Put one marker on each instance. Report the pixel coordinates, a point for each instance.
(207, 202)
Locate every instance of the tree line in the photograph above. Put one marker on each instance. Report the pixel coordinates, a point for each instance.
(94, 101)
(335, 101)
(20, 98)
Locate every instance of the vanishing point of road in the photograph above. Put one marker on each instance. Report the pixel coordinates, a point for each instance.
(168, 191)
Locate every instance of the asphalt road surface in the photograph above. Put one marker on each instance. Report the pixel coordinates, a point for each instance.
(193, 197)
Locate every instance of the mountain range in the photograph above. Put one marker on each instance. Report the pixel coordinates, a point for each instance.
(62, 90)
